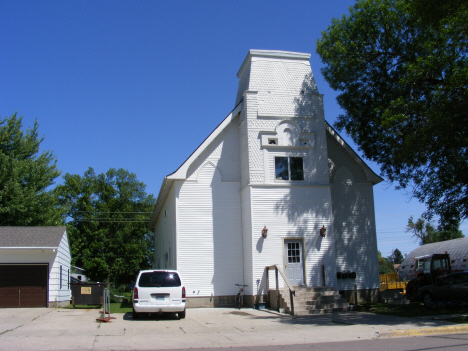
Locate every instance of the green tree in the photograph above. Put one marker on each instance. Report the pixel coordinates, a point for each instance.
(396, 257)
(401, 67)
(25, 177)
(449, 231)
(107, 217)
(426, 233)
(385, 265)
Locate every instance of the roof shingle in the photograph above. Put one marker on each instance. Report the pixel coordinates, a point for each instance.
(31, 236)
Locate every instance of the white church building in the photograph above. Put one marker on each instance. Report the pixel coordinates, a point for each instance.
(273, 184)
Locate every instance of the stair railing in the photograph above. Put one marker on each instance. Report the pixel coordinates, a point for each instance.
(292, 291)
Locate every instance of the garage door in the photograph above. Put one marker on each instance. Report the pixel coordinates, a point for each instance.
(23, 285)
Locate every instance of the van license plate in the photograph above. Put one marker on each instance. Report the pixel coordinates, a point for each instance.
(160, 297)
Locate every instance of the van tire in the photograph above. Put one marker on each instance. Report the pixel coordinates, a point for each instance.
(181, 314)
(135, 315)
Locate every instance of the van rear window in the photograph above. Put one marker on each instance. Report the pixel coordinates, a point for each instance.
(159, 279)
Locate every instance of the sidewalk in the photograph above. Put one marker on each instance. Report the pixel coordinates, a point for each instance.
(70, 329)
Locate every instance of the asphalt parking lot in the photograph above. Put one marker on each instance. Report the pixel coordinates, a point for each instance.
(77, 329)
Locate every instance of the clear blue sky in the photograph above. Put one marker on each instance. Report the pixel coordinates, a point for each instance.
(140, 84)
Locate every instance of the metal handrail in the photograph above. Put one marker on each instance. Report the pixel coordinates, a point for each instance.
(292, 291)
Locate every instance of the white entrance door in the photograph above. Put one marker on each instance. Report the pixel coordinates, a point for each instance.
(294, 265)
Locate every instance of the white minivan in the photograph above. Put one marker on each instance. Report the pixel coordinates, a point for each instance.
(158, 291)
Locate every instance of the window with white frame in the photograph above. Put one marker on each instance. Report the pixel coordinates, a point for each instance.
(289, 168)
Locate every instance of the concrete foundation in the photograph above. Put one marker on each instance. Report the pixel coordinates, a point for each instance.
(55, 304)
(365, 295)
(218, 301)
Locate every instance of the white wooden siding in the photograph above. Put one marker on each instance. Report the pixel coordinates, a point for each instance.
(248, 277)
(355, 235)
(62, 259)
(209, 234)
(293, 212)
(27, 256)
(165, 231)
(223, 153)
(243, 147)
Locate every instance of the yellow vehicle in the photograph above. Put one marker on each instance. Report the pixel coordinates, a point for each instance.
(391, 281)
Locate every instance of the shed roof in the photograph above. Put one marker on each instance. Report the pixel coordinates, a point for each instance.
(31, 237)
(456, 248)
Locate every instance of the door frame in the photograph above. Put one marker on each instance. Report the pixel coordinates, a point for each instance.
(285, 256)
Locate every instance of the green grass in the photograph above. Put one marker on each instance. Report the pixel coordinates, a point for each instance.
(412, 310)
(121, 307)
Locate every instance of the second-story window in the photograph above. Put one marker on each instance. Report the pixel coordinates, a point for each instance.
(289, 168)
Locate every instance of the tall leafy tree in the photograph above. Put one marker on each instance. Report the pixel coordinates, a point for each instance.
(426, 233)
(449, 231)
(401, 67)
(26, 176)
(108, 224)
(396, 257)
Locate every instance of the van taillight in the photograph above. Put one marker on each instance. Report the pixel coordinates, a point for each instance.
(183, 292)
(135, 293)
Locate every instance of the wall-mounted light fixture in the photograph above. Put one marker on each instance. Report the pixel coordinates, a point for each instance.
(264, 231)
(323, 231)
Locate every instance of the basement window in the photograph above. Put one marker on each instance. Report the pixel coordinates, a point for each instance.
(289, 168)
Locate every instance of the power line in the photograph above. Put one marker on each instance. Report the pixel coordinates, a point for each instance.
(111, 218)
(109, 212)
(107, 220)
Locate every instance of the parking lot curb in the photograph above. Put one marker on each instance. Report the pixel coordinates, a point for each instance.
(426, 331)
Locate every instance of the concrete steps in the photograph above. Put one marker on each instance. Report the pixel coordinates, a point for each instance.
(316, 300)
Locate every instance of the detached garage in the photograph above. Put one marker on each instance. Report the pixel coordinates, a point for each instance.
(34, 267)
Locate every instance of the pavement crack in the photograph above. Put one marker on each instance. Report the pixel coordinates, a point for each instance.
(19, 326)
(224, 336)
(123, 334)
(42, 315)
(183, 330)
(9, 330)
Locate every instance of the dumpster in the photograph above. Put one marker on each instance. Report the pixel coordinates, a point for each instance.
(87, 294)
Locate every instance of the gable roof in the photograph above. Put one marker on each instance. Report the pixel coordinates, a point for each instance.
(181, 172)
(31, 237)
(370, 174)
